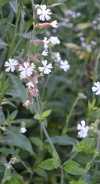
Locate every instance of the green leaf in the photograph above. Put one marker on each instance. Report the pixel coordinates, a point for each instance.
(14, 5)
(11, 116)
(20, 89)
(78, 182)
(44, 122)
(2, 118)
(12, 181)
(46, 114)
(36, 141)
(49, 164)
(84, 145)
(63, 140)
(37, 116)
(2, 2)
(73, 168)
(14, 137)
(3, 44)
(41, 173)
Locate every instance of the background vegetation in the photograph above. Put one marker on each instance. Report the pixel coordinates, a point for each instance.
(68, 94)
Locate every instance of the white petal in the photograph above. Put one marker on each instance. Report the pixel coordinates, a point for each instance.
(83, 123)
(79, 127)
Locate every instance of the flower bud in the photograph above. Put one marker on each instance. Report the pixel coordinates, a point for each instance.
(43, 25)
(26, 104)
(39, 41)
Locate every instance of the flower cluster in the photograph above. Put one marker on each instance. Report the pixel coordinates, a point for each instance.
(96, 23)
(73, 14)
(64, 65)
(87, 47)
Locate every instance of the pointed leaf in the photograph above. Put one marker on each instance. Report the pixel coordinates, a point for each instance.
(49, 164)
(3, 44)
(46, 113)
(15, 138)
(20, 89)
(63, 140)
(11, 116)
(12, 181)
(37, 116)
(14, 5)
(84, 145)
(73, 168)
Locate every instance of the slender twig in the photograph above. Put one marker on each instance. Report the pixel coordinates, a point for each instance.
(15, 30)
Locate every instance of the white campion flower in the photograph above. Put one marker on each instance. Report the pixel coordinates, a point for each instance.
(46, 42)
(83, 130)
(64, 65)
(11, 64)
(46, 69)
(45, 53)
(54, 24)
(56, 56)
(26, 70)
(23, 130)
(44, 13)
(30, 85)
(54, 40)
(93, 42)
(96, 88)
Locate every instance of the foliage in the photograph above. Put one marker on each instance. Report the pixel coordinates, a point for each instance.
(39, 124)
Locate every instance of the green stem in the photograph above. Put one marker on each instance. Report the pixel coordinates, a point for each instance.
(50, 142)
(70, 114)
(3, 24)
(96, 67)
(74, 155)
(15, 30)
(62, 177)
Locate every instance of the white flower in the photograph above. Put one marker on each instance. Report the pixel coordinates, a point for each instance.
(96, 88)
(56, 56)
(45, 53)
(44, 13)
(54, 24)
(84, 44)
(88, 48)
(82, 129)
(26, 70)
(82, 38)
(64, 65)
(46, 69)
(93, 42)
(46, 42)
(23, 130)
(11, 63)
(54, 40)
(30, 85)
